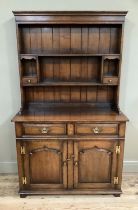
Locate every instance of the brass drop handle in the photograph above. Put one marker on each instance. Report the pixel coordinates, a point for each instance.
(44, 130)
(29, 81)
(96, 130)
(109, 80)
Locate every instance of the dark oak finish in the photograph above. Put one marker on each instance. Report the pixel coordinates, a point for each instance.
(95, 164)
(70, 131)
(94, 129)
(44, 129)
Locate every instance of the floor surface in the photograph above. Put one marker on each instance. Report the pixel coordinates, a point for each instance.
(10, 200)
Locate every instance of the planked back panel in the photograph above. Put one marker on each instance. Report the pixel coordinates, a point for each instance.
(70, 69)
(94, 94)
(70, 39)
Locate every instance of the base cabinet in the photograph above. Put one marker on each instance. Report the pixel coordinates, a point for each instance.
(50, 165)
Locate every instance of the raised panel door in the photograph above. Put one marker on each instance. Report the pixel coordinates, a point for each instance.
(94, 164)
(44, 164)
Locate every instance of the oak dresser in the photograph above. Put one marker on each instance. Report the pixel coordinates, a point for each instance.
(70, 131)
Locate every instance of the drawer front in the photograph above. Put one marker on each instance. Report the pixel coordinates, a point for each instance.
(110, 80)
(96, 129)
(44, 129)
(29, 80)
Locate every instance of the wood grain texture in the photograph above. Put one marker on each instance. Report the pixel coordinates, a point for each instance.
(70, 17)
(41, 170)
(71, 39)
(94, 157)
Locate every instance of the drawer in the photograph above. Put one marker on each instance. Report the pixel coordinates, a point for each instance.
(110, 80)
(29, 80)
(44, 129)
(96, 129)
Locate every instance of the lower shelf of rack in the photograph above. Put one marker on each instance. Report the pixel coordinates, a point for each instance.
(117, 193)
(40, 112)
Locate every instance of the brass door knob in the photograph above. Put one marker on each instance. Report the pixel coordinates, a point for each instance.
(44, 130)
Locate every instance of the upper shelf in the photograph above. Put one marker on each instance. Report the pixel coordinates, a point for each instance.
(32, 55)
(62, 83)
(83, 39)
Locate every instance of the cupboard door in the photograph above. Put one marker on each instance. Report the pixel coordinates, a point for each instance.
(44, 164)
(94, 164)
